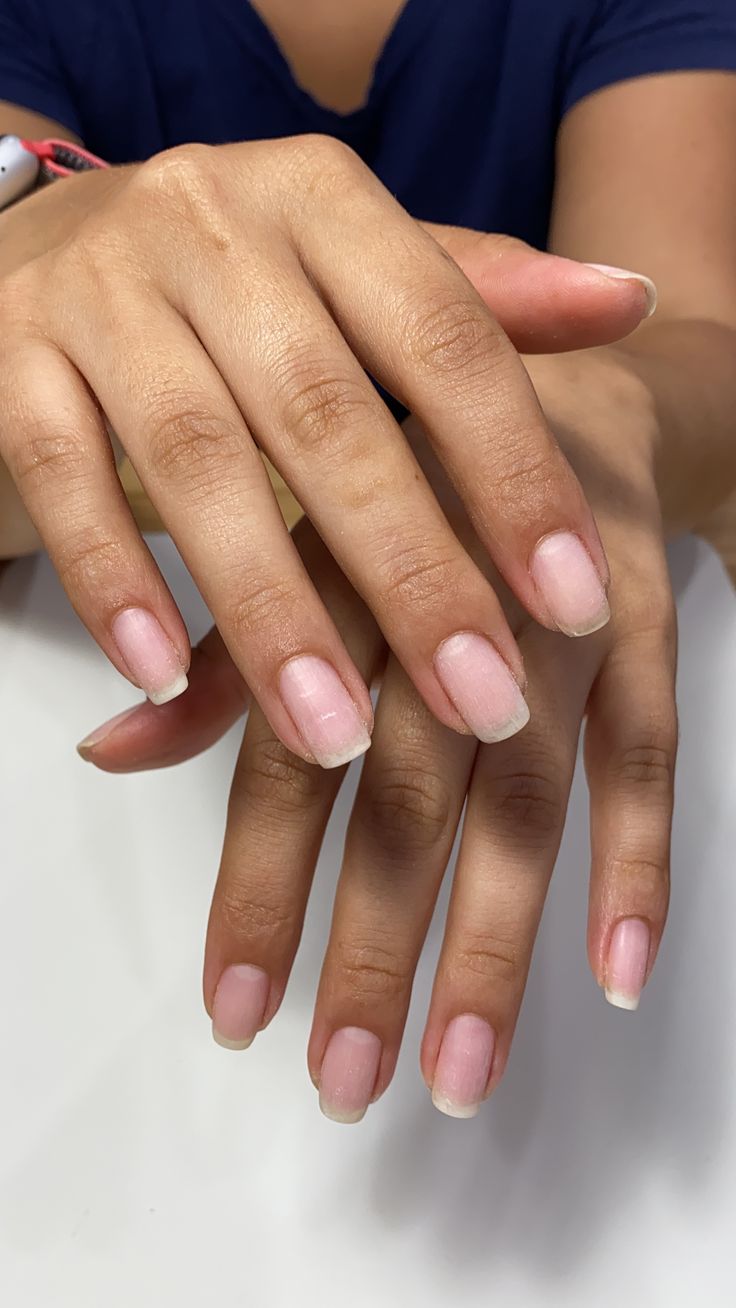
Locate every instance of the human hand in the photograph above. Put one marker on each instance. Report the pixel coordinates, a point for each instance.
(215, 300)
(413, 786)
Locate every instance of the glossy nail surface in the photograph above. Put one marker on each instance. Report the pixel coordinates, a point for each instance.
(348, 1074)
(239, 1005)
(626, 968)
(479, 683)
(625, 275)
(463, 1066)
(149, 655)
(568, 581)
(323, 711)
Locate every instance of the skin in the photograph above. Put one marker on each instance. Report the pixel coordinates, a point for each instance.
(647, 425)
(213, 302)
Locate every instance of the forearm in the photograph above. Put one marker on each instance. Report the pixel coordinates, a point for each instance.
(688, 370)
(672, 386)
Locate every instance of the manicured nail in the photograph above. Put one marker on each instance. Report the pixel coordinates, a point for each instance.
(624, 275)
(348, 1074)
(568, 581)
(323, 711)
(239, 1005)
(463, 1066)
(626, 970)
(101, 733)
(149, 654)
(481, 686)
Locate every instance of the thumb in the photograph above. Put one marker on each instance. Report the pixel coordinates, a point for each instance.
(546, 303)
(148, 737)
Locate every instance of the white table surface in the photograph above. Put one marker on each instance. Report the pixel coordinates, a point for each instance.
(142, 1165)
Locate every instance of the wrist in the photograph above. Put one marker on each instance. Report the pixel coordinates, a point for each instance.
(40, 221)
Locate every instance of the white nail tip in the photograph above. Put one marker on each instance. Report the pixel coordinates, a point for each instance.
(450, 1109)
(590, 627)
(224, 1043)
(624, 275)
(344, 1119)
(508, 728)
(347, 755)
(169, 692)
(629, 1002)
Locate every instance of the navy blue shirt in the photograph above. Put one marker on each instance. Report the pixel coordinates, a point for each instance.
(461, 118)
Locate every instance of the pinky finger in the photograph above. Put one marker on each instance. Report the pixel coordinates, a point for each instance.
(55, 445)
(630, 748)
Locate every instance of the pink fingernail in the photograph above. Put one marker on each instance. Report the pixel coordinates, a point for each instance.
(102, 732)
(568, 581)
(625, 275)
(463, 1066)
(481, 686)
(348, 1074)
(239, 1005)
(626, 969)
(149, 655)
(323, 711)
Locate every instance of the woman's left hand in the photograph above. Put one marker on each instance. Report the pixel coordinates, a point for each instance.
(415, 781)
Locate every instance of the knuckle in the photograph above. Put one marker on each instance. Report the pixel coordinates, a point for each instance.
(645, 879)
(371, 972)
(415, 578)
(408, 811)
(44, 453)
(89, 559)
(188, 178)
(263, 606)
(527, 805)
(277, 784)
(452, 336)
(325, 163)
(179, 170)
(650, 764)
(187, 442)
(497, 962)
(255, 919)
(318, 408)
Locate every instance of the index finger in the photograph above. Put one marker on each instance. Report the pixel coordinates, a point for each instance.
(420, 328)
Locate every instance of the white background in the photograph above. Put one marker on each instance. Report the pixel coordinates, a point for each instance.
(142, 1165)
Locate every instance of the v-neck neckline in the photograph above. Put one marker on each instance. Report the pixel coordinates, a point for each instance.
(405, 29)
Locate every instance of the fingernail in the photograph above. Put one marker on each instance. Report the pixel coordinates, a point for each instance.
(624, 275)
(101, 733)
(239, 1005)
(481, 686)
(568, 581)
(348, 1074)
(149, 654)
(463, 1066)
(323, 711)
(626, 969)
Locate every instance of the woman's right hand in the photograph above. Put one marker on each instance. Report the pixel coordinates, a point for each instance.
(221, 301)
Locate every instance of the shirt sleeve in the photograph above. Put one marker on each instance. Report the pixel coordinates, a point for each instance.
(31, 70)
(631, 38)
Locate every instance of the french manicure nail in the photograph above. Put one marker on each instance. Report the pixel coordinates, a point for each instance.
(149, 655)
(463, 1066)
(348, 1074)
(101, 733)
(323, 711)
(239, 1005)
(626, 969)
(481, 686)
(569, 583)
(624, 275)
